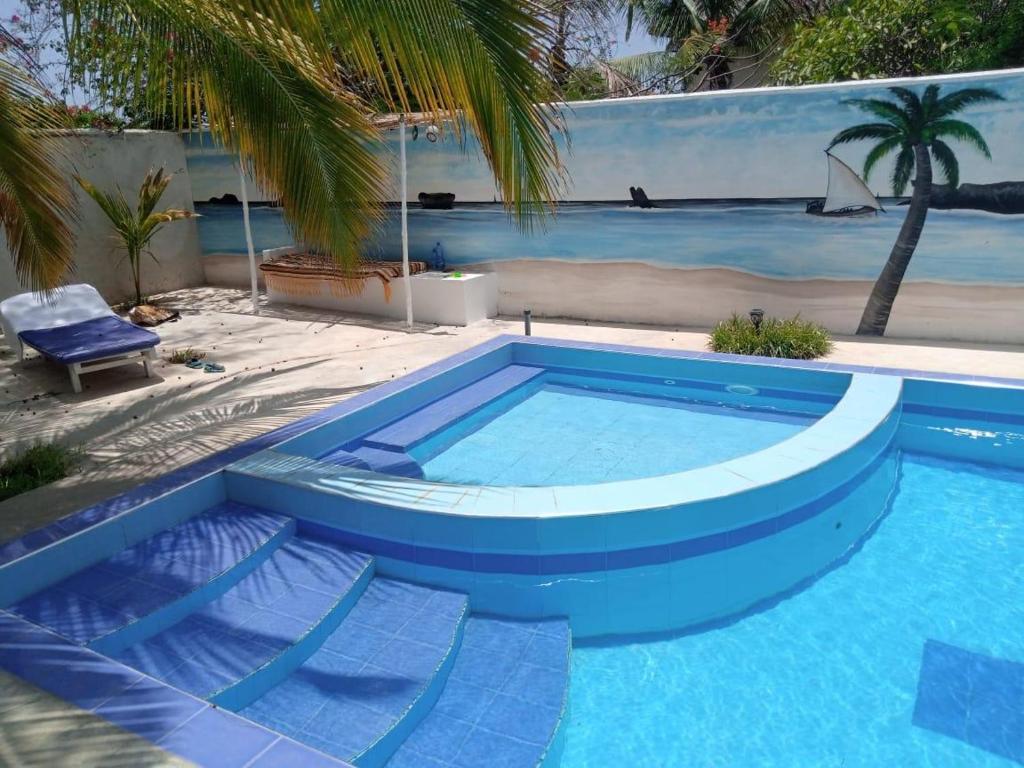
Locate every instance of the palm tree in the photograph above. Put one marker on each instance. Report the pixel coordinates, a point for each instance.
(712, 39)
(273, 82)
(136, 227)
(915, 128)
(36, 203)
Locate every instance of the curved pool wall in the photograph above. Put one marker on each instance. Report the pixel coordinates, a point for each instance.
(654, 554)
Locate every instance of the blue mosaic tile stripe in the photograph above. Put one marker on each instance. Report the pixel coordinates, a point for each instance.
(403, 434)
(504, 703)
(375, 678)
(975, 698)
(160, 714)
(588, 562)
(117, 505)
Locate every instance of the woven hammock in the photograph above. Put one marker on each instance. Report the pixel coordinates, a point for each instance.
(306, 274)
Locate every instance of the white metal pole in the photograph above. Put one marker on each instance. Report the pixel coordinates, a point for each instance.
(405, 226)
(248, 239)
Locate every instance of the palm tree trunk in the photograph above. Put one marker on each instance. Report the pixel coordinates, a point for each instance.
(559, 63)
(883, 295)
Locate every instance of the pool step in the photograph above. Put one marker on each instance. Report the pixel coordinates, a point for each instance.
(504, 703)
(375, 678)
(401, 435)
(153, 583)
(233, 648)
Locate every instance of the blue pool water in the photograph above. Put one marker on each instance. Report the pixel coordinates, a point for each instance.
(571, 430)
(855, 670)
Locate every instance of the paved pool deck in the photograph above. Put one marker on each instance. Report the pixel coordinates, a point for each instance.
(282, 365)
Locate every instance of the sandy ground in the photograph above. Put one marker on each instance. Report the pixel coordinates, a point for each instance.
(282, 365)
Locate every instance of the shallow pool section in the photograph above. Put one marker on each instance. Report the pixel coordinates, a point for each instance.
(564, 429)
(910, 654)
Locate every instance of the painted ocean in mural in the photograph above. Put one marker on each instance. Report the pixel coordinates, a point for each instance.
(766, 238)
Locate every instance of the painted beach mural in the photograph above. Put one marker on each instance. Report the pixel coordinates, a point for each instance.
(890, 208)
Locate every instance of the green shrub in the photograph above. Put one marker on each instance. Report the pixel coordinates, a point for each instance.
(794, 338)
(39, 465)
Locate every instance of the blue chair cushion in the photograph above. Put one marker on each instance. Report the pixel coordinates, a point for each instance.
(90, 340)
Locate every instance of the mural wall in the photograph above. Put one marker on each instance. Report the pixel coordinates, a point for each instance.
(682, 209)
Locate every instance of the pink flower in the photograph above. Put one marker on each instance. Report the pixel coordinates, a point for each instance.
(15, 19)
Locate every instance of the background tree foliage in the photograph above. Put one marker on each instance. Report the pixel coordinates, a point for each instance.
(861, 39)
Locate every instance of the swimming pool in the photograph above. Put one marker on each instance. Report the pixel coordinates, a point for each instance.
(759, 564)
(567, 427)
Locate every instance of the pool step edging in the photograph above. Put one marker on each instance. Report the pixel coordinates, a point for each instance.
(175, 611)
(380, 752)
(246, 690)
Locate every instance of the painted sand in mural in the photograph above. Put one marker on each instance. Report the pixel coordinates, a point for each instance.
(732, 196)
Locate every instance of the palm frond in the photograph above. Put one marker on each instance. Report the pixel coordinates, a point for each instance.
(261, 75)
(947, 161)
(879, 151)
(475, 58)
(36, 203)
(929, 100)
(902, 171)
(883, 109)
(911, 104)
(865, 131)
(960, 131)
(957, 100)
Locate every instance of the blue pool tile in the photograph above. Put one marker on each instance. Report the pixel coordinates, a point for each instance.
(408, 758)
(77, 618)
(135, 598)
(464, 700)
(408, 658)
(155, 660)
(440, 737)
(483, 668)
(77, 674)
(218, 739)
(304, 604)
(430, 628)
(542, 686)
(550, 650)
(259, 589)
(498, 636)
(357, 641)
(975, 698)
(496, 751)
(349, 725)
(287, 754)
(197, 680)
(149, 709)
(227, 609)
(520, 719)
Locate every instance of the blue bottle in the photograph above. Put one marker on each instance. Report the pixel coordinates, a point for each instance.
(438, 253)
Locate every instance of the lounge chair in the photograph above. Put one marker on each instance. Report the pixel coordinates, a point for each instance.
(76, 328)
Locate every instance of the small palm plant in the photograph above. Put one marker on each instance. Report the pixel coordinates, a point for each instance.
(916, 128)
(137, 227)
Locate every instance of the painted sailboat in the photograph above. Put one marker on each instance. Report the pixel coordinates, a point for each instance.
(846, 195)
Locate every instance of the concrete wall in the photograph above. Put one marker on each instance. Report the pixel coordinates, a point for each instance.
(731, 174)
(109, 160)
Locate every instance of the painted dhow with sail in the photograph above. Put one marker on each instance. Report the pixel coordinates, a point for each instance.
(846, 195)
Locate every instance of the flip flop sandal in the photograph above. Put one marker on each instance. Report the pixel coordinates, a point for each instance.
(213, 368)
(195, 363)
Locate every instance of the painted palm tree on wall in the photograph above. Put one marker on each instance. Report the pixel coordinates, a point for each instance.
(917, 129)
